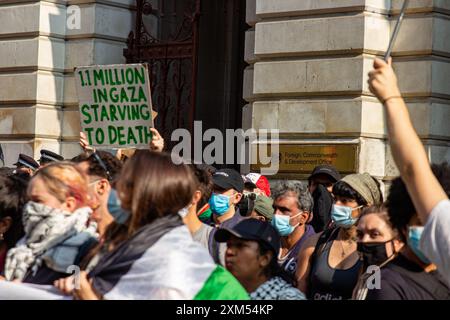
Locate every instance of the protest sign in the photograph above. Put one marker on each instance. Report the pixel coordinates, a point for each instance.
(115, 105)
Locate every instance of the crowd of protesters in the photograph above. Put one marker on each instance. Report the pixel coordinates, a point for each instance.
(141, 227)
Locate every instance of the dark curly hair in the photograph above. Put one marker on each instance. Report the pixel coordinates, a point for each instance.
(113, 164)
(342, 189)
(399, 204)
(204, 183)
(13, 196)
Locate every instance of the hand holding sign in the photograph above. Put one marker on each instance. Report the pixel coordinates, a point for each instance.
(115, 105)
(84, 143)
(157, 143)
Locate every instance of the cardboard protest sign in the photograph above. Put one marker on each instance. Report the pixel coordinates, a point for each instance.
(115, 105)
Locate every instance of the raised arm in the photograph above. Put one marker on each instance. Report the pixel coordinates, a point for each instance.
(407, 149)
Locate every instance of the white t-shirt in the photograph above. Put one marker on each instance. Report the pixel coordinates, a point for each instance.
(435, 240)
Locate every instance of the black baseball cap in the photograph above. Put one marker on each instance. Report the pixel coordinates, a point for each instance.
(327, 170)
(49, 156)
(252, 229)
(26, 161)
(228, 179)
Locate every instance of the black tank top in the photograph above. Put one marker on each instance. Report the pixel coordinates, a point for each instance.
(327, 283)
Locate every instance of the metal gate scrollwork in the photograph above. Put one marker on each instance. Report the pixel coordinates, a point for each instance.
(166, 37)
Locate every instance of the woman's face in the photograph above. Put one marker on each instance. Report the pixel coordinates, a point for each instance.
(38, 192)
(347, 202)
(243, 260)
(372, 228)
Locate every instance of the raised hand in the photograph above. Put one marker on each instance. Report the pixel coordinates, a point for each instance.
(383, 81)
(84, 143)
(157, 143)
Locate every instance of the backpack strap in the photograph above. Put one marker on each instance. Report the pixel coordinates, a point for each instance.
(324, 239)
(213, 247)
(215, 253)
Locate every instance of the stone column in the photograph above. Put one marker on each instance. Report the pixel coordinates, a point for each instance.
(38, 50)
(309, 62)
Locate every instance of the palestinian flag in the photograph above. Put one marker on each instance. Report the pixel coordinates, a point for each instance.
(162, 261)
(205, 213)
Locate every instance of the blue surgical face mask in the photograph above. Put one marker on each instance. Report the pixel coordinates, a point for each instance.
(219, 203)
(283, 225)
(342, 216)
(115, 209)
(414, 235)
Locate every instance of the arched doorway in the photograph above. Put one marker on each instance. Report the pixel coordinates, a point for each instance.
(196, 54)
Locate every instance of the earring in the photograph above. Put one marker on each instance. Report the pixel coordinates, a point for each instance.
(1, 236)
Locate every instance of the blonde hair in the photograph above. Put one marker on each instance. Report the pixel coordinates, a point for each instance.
(63, 179)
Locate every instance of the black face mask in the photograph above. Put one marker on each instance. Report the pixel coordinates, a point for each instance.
(373, 253)
(246, 204)
(323, 202)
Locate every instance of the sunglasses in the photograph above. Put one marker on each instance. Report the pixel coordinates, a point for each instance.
(96, 157)
(250, 195)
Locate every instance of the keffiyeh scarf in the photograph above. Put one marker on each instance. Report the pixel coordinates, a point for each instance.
(277, 289)
(50, 236)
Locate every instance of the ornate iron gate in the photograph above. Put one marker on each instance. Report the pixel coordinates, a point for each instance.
(166, 37)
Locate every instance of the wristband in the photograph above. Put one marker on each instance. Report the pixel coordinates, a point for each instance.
(390, 98)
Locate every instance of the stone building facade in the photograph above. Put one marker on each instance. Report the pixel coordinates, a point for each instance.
(38, 52)
(309, 62)
(306, 76)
